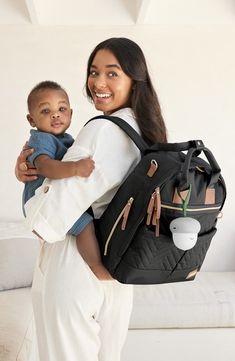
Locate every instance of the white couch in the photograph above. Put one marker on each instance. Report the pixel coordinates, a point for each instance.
(181, 321)
(184, 321)
(18, 252)
(192, 320)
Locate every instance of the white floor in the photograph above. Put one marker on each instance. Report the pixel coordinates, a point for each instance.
(180, 345)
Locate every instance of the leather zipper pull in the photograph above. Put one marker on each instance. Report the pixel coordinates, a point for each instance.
(157, 228)
(150, 209)
(153, 168)
(126, 213)
(157, 212)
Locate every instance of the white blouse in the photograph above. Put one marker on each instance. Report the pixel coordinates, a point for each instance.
(57, 204)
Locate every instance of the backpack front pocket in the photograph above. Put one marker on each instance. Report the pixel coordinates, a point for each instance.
(158, 260)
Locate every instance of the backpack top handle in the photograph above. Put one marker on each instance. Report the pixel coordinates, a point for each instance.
(215, 169)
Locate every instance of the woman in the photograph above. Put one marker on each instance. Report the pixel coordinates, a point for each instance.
(79, 317)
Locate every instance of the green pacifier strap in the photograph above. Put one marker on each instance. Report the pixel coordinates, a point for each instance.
(186, 200)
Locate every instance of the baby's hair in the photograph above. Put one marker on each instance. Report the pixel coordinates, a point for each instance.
(44, 85)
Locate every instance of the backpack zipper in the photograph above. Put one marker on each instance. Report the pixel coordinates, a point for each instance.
(191, 209)
(124, 213)
(154, 210)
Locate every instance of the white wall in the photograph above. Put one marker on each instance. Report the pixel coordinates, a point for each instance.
(193, 70)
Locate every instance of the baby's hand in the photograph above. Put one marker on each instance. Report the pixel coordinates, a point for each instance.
(84, 167)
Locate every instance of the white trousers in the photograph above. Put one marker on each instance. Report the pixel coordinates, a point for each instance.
(77, 317)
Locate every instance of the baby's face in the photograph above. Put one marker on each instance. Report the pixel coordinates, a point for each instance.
(50, 111)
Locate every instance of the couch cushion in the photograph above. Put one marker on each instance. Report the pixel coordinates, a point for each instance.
(16, 324)
(18, 252)
(208, 301)
(186, 344)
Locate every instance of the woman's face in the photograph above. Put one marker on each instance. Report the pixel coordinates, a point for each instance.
(109, 86)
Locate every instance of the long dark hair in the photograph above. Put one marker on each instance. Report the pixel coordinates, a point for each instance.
(143, 99)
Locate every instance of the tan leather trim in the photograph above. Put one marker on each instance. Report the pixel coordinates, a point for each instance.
(176, 198)
(210, 196)
(153, 168)
(191, 274)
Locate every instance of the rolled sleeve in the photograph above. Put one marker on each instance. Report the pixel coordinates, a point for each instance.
(58, 204)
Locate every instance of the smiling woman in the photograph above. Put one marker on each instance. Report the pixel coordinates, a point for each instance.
(79, 316)
(109, 86)
(120, 68)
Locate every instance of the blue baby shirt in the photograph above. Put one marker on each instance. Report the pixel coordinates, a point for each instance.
(55, 146)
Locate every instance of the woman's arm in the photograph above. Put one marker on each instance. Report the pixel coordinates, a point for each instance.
(55, 169)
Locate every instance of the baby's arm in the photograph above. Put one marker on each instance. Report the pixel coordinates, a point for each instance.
(56, 169)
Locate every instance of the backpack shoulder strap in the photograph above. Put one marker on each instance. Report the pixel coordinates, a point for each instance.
(139, 142)
(142, 145)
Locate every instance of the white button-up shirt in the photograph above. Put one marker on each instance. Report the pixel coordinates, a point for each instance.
(57, 204)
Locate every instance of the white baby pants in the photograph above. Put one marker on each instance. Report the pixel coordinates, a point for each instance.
(77, 317)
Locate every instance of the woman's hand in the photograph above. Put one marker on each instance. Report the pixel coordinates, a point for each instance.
(24, 171)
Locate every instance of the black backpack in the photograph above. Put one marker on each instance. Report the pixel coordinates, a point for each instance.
(134, 231)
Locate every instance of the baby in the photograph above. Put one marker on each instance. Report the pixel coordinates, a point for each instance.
(50, 113)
